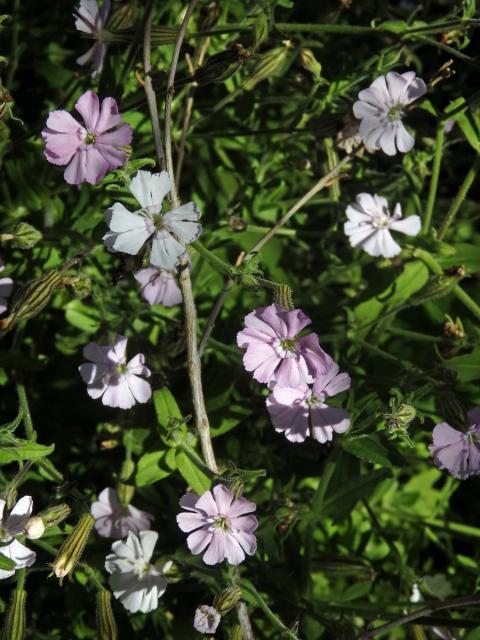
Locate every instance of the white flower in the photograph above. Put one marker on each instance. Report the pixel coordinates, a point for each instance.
(369, 225)
(10, 527)
(170, 232)
(380, 109)
(6, 288)
(206, 619)
(110, 377)
(134, 581)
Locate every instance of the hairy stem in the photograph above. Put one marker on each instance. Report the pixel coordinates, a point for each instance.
(460, 197)
(432, 194)
(149, 92)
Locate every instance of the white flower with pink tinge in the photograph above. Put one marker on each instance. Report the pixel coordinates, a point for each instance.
(456, 451)
(159, 286)
(169, 232)
(274, 350)
(91, 149)
(303, 411)
(112, 520)
(134, 580)
(370, 223)
(220, 524)
(6, 288)
(109, 376)
(206, 619)
(12, 525)
(381, 107)
(90, 20)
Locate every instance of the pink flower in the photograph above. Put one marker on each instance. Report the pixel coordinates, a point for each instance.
(219, 523)
(302, 411)
(89, 150)
(159, 286)
(110, 377)
(90, 20)
(274, 350)
(115, 521)
(455, 451)
(6, 288)
(206, 619)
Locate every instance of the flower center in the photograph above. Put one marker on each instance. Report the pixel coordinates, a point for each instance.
(288, 344)
(313, 400)
(382, 220)
(141, 568)
(395, 113)
(221, 522)
(4, 535)
(90, 138)
(158, 221)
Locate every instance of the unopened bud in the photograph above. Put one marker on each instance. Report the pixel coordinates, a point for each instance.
(34, 528)
(221, 66)
(209, 14)
(227, 599)
(237, 487)
(26, 236)
(15, 619)
(309, 62)
(122, 17)
(171, 571)
(52, 516)
(32, 298)
(236, 633)
(72, 549)
(106, 625)
(268, 65)
(282, 295)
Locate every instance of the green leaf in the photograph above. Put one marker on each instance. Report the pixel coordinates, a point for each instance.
(367, 447)
(467, 367)
(82, 316)
(6, 564)
(24, 450)
(341, 500)
(166, 407)
(151, 468)
(192, 474)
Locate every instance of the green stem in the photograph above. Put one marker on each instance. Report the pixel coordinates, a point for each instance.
(460, 197)
(24, 408)
(458, 292)
(212, 259)
(315, 513)
(437, 160)
(411, 335)
(197, 461)
(248, 587)
(20, 575)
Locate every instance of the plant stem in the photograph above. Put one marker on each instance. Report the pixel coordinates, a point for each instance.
(149, 92)
(435, 175)
(218, 264)
(25, 409)
(458, 292)
(247, 586)
(20, 575)
(460, 197)
(464, 601)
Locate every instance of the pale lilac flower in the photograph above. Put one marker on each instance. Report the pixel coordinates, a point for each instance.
(136, 582)
(456, 451)
(302, 411)
(274, 350)
(170, 231)
(6, 288)
(380, 109)
(206, 619)
(90, 20)
(110, 377)
(91, 149)
(12, 525)
(159, 286)
(219, 523)
(112, 520)
(369, 225)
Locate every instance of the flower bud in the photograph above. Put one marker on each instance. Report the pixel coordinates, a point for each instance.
(106, 625)
(236, 487)
(34, 528)
(25, 236)
(52, 516)
(267, 66)
(236, 633)
(15, 618)
(122, 17)
(209, 14)
(72, 549)
(172, 572)
(32, 298)
(227, 599)
(309, 62)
